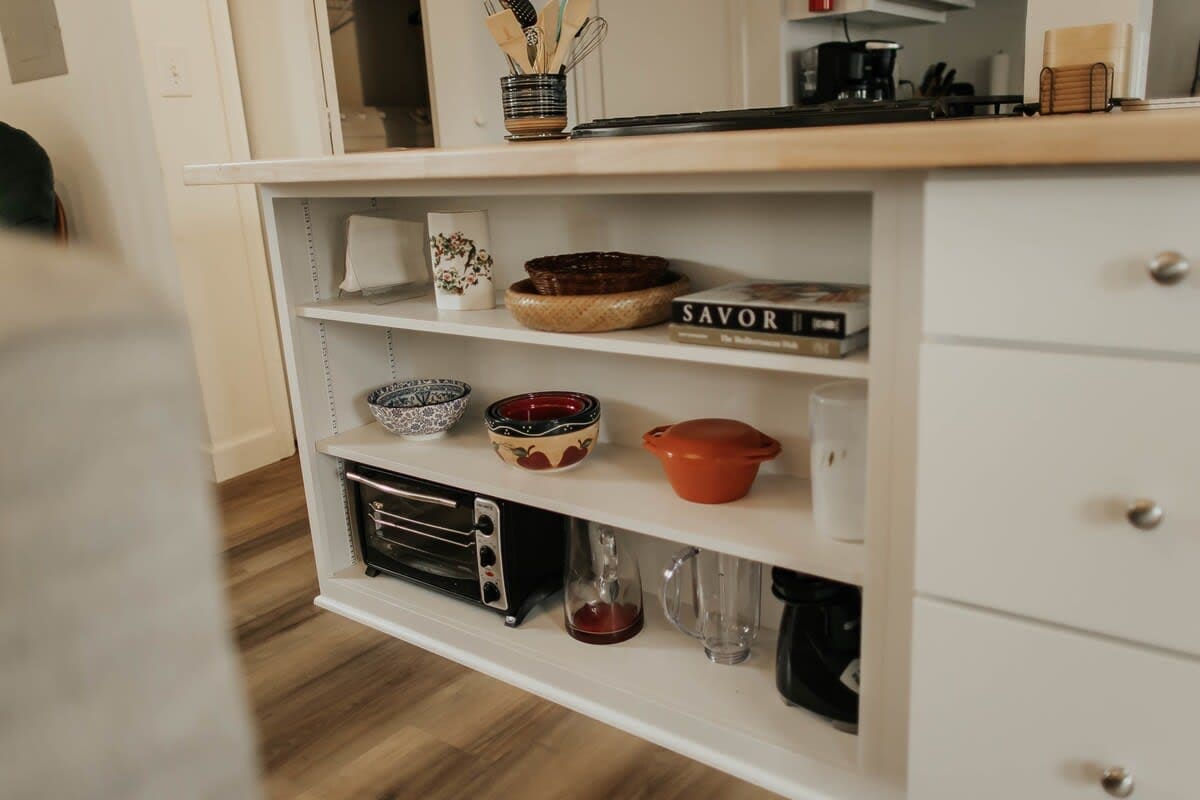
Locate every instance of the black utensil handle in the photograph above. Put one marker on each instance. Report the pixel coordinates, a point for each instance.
(524, 11)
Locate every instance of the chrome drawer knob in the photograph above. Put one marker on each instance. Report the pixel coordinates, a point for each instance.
(1145, 515)
(1117, 781)
(1169, 268)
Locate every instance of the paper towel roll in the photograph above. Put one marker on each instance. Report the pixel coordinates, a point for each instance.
(998, 73)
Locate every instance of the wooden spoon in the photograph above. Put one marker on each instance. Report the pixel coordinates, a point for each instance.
(507, 32)
(574, 15)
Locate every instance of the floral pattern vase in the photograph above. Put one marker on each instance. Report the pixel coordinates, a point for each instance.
(460, 247)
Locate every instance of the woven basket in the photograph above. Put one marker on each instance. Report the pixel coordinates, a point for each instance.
(595, 273)
(583, 313)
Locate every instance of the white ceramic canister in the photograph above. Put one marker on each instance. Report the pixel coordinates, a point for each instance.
(460, 248)
(837, 414)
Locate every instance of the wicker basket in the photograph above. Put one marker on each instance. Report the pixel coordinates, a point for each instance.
(595, 273)
(594, 313)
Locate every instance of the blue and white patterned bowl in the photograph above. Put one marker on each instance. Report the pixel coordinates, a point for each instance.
(421, 408)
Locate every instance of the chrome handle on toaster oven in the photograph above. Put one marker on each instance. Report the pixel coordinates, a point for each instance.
(381, 523)
(407, 495)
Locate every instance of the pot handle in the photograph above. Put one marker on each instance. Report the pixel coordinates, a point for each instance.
(650, 438)
(769, 449)
(670, 595)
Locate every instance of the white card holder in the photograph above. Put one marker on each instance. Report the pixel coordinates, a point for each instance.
(385, 258)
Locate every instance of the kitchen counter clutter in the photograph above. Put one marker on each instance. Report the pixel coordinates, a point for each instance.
(784, 206)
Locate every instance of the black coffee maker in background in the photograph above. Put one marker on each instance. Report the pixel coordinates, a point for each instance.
(863, 70)
(820, 640)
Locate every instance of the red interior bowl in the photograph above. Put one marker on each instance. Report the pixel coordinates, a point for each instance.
(542, 407)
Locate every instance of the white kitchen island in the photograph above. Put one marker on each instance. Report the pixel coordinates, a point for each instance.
(1015, 323)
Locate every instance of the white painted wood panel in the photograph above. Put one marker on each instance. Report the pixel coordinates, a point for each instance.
(1006, 709)
(1027, 462)
(1062, 257)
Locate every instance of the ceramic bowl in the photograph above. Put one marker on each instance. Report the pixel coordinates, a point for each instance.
(711, 460)
(421, 408)
(544, 431)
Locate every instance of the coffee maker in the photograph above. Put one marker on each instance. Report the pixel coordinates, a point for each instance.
(862, 71)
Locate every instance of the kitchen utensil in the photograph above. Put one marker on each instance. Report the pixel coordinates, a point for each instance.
(523, 10)
(460, 250)
(420, 408)
(534, 104)
(1083, 88)
(509, 34)
(593, 313)
(544, 431)
(573, 16)
(596, 273)
(711, 460)
(489, 9)
(837, 419)
(879, 66)
(487, 551)
(820, 640)
(602, 587)
(590, 37)
(726, 593)
(948, 82)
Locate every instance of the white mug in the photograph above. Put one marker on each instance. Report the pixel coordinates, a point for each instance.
(460, 252)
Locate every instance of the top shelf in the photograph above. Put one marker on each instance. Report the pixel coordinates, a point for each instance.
(871, 12)
(422, 314)
(1144, 138)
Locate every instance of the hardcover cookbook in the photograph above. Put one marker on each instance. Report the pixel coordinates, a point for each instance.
(784, 308)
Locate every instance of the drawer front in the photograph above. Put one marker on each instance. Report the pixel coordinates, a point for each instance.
(1027, 463)
(1063, 259)
(1005, 709)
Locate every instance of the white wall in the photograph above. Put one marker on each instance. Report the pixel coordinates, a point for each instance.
(1174, 38)
(95, 124)
(217, 236)
(1047, 14)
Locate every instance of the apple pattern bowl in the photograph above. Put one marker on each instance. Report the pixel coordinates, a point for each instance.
(544, 431)
(420, 408)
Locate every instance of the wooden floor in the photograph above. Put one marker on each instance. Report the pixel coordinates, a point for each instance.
(346, 712)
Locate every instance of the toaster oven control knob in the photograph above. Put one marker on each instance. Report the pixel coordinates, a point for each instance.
(485, 525)
(491, 592)
(487, 556)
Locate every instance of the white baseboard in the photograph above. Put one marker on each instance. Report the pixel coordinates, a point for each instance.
(248, 453)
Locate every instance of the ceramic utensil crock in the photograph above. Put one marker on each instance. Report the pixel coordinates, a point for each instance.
(460, 248)
(711, 460)
(837, 414)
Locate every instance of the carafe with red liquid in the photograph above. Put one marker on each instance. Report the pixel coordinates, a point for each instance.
(602, 588)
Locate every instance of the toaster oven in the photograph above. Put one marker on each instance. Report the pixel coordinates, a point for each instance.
(501, 555)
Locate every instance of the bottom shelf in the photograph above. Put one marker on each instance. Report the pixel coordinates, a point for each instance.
(658, 685)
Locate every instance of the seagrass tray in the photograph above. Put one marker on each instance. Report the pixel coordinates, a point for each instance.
(594, 313)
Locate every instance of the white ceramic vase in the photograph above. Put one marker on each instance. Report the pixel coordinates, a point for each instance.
(461, 254)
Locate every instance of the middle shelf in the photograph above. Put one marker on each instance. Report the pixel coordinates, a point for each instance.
(624, 487)
(421, 314)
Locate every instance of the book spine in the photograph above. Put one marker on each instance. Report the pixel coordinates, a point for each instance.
(769, 342)
(751, 319)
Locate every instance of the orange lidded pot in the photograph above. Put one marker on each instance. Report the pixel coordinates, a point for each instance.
(711, 460)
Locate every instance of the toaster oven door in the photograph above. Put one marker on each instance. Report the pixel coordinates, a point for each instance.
(417, 530)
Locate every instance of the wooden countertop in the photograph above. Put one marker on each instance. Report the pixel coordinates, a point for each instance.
(1152, 137)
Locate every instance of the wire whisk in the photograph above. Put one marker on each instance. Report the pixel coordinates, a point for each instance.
(590, 36)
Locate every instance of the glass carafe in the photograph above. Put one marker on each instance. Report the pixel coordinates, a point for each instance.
(602, 588)
(726, 597)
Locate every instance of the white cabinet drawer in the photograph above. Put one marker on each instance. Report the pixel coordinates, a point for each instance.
(1063, 258)
(1026, 465)
(1005, 709)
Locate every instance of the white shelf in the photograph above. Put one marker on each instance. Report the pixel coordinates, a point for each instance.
(421, 314)
(657, 685)
(624, 487)
(871, 12)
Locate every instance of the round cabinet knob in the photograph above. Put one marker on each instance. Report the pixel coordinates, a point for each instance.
(1117, 781)
(487, 556)
(1145, 515)
(1169, 268)
(491, 592)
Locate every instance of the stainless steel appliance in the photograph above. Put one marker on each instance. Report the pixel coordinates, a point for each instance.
(501, 555)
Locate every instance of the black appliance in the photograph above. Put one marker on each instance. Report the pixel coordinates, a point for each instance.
(820, 639)
(856, 71)
(846, 112)
(501, 555)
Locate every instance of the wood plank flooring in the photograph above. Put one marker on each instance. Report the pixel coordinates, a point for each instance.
(346, 712)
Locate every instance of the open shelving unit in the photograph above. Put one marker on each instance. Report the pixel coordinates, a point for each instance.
(883, 13)
(658, 685)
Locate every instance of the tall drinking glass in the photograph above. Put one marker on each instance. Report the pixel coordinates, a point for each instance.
(837, 416)
(726, 601)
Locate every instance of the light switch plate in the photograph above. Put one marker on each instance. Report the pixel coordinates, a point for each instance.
(174, 71)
